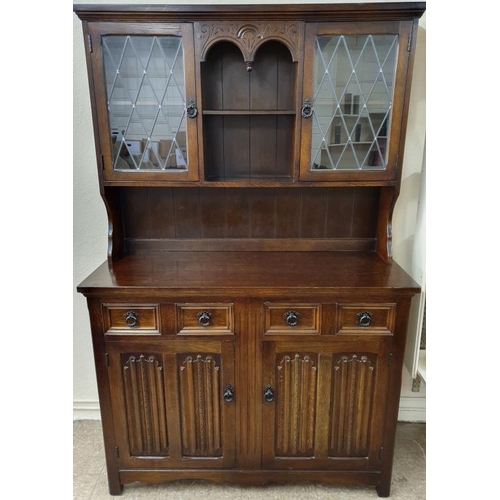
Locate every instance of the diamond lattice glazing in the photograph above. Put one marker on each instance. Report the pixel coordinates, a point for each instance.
(353, 92)
(146, 101)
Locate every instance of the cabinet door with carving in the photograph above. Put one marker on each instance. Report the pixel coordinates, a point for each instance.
(323, 404)
(173, 403)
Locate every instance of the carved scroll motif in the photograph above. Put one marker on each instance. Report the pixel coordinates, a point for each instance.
(248, 36)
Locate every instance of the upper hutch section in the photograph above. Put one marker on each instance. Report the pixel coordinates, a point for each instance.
(268, 95)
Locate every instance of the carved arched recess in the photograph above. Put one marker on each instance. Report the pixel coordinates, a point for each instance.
(249, 36)
(249, 84)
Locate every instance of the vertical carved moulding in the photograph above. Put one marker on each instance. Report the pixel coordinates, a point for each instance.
(145, 406)
(199, 395)
(296, 388)
(353, 379)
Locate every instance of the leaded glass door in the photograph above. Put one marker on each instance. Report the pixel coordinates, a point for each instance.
(351, 109)
(149, 95)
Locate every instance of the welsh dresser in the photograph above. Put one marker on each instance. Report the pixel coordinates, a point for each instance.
(249, 324)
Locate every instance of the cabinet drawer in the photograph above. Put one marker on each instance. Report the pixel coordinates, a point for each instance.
(290, 319)
(128, 319)
(204, 319)
(359, 319)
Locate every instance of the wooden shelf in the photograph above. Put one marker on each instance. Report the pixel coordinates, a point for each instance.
(259, 271)
(251, 179)
(259, 112)
(254, 182)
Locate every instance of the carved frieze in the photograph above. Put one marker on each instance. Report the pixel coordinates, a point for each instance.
(248, 36)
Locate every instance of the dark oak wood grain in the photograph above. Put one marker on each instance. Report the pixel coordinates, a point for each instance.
(247, 134)
(310, 12)
(249, 325)
(261, 271)
(155, 216)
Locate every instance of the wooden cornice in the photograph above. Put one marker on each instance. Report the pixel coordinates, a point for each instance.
(395, 11)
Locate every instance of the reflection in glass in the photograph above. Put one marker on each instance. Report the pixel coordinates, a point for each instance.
(353, 92)
(146, 102)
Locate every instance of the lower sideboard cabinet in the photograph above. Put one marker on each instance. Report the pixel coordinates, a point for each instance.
(249, 390)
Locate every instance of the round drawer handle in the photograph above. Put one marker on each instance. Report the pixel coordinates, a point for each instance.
(364, 319)
(131, 318)
(191, 109)
(291, 318)
(268, 394)
(204, 318)
(307, 109)
(228, 394)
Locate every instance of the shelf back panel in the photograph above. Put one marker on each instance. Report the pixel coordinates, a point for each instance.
(266, 218)
(254, 139)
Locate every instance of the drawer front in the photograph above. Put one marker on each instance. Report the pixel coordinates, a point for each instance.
(131, 319)
(292, 318)
(374, 319)
(204, 319)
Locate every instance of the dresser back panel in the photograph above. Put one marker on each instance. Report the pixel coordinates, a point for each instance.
(249, 218)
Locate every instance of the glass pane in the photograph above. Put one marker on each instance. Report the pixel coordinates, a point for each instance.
(146, 102)
(352, 101)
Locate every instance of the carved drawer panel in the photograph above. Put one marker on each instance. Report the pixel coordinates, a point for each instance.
(362, 319)
(204, 319)
(290, 319)
(130, 319)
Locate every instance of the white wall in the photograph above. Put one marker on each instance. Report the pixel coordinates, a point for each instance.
(412, 405)
(90, 223)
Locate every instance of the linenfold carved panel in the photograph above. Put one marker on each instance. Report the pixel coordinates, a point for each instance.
(297, 377)
(352, 398)
(145, 405)
(199, 395)
(248, 36)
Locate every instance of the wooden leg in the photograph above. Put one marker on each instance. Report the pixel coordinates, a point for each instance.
(103, 386)
(114, 485)
(384, 485)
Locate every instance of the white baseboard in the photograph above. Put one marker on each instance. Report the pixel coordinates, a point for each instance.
(86, 410)
(410, 410)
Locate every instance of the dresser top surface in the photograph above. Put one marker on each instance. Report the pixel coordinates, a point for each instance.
(257, 271)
